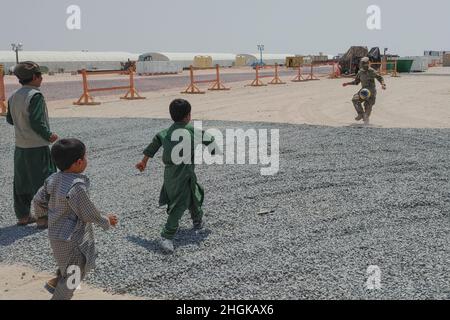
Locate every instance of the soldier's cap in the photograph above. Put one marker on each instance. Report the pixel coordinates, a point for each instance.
(25, 70)
(365, 60)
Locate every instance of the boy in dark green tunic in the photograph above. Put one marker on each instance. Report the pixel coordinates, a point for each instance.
(180, 191)
(27, 112)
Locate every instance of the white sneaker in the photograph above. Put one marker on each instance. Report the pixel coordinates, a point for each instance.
(167, 245)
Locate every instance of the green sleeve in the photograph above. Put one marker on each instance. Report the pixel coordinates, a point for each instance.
(153, 147)
(9, 118)
(38, 120)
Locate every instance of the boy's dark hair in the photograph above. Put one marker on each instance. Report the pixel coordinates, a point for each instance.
(26, 70)
(27, 81)
(66, 152)
(179, 109)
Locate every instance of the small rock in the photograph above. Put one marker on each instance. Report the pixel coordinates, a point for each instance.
(263, 212)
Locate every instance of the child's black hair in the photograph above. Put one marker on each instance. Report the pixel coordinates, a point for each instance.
(66, 152)
(179, 109)
(27, 81)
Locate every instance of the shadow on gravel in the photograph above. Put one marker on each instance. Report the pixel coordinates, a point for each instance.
(150, 245)
(11, 234)
(184, 238)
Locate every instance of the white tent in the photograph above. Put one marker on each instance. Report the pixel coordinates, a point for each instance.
(68, 61)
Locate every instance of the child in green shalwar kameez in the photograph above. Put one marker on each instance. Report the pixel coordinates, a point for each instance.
(180, 191)
(27, 112)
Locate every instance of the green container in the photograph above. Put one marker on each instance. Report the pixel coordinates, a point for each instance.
(404, 65)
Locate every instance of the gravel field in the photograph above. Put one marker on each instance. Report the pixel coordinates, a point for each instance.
(73, 89)
(344, 199)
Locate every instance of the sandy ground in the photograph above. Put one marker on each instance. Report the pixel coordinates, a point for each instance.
(22, 283)
(410, 102)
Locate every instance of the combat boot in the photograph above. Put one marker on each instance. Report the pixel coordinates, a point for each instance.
(366, 119)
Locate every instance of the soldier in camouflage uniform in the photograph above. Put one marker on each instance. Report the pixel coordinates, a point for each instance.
(366, 76)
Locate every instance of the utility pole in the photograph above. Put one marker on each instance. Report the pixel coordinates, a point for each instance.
(260, 49)
(17, 47)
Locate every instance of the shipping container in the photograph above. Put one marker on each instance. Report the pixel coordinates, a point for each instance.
(420, 63)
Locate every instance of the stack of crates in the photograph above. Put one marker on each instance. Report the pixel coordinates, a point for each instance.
(294, 62)
(446, 60)
(203, 62)
(241, 61)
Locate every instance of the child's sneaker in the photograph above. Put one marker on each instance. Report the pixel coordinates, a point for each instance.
(167, 245)
(42, 223)
(51, 284)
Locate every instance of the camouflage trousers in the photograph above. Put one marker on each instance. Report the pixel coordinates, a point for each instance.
(368, 104)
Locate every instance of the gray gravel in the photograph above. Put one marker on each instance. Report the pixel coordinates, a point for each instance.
(344, 199)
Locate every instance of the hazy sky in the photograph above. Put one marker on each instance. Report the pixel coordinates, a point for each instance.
(283, 26)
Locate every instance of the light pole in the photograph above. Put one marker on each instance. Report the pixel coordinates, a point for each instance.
(261, 49)
(17, 47)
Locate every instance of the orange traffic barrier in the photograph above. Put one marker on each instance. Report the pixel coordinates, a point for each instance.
(394, 71)
(336, 71)
(276, 77)
(384, 69)
(299, 76)
(217, 85)
(311, 75)
(2, 93)
(86, 98)
(435, 63)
